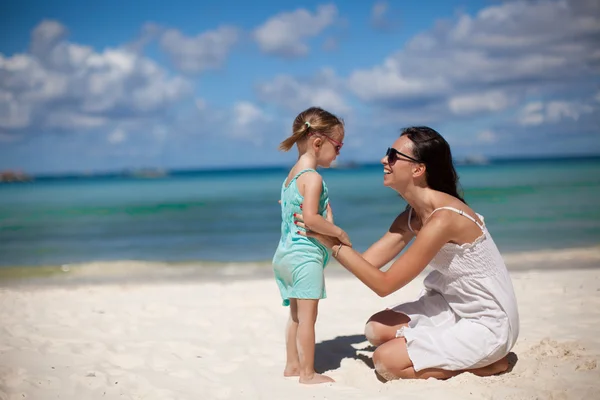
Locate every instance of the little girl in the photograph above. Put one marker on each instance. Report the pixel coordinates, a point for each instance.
(299, 261)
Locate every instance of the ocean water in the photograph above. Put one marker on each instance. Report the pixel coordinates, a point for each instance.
(234, 216)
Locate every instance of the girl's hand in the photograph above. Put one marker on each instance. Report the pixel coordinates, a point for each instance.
(344, 238)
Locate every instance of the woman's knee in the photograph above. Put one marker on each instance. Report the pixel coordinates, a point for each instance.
(383, 364)
(382, 327)
(391, 361)
(375, 333)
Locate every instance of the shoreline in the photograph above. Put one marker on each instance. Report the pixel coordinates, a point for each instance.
(132, 271)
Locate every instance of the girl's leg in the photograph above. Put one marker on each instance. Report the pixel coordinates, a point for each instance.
(292, 364)
(382, 327)
(307, 317)
(391, 361)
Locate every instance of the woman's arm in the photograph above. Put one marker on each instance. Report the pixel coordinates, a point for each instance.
(391, 243)
(382, 251)
(407, 267)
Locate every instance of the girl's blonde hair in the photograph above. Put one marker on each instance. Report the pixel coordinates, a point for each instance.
(314, 119)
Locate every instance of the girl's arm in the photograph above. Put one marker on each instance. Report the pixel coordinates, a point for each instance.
(311, 187)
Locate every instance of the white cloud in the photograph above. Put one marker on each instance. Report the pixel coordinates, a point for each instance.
(247, 114)
(478, 102)
(73, 120)
(286, 33)
(379, 9)
(557, 110)
(249, 122)
(487, 136)
(117, 136)
(532, 114)
(46, 36)
(387, 82)
(513, 48)
(380, 16)
(296, 94)
(537, 113)
(13, 113)
(150, 32)
(66, 86)
(207, 50)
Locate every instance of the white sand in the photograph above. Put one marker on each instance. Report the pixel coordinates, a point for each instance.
(220, 340)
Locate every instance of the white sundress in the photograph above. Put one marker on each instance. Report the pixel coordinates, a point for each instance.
(467, 316)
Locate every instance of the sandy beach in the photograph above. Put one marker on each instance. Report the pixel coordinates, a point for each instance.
(190, 337)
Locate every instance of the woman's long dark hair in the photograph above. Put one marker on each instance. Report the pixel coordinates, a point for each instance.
(432, 150)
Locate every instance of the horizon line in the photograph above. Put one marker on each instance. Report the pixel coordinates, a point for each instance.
(140, 171)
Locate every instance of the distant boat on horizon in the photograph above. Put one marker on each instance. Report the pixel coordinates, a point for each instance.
(473, 160)
(148, 173)
(14, 176)
(345, 165)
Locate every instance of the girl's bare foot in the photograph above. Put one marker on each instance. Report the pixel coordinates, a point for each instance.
(291, 370)
(315, 378)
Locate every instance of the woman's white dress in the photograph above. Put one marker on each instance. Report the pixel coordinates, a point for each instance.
(467, 316)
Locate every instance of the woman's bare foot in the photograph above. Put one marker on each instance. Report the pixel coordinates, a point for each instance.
(291, 370)
(316, 378)
(492, 369)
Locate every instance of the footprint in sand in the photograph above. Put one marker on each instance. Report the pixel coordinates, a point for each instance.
(548, 349)
(587, 365)
(91, 380)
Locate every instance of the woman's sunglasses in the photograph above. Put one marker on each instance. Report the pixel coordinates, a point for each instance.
(393, 155)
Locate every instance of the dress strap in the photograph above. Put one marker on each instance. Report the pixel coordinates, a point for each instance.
(409, 216)
(297, 175)
(461, 212)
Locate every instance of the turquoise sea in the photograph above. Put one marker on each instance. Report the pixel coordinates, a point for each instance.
(234, 215)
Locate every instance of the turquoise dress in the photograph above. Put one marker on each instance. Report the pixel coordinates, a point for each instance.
(299, 261)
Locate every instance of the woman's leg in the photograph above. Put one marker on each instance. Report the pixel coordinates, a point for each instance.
(382, 327)
(391, 361)
(307, 317)
(292, 364)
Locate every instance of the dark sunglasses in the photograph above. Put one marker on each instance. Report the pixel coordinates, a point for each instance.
(393, 155)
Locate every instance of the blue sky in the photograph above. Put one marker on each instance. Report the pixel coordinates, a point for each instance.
(183, 84)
